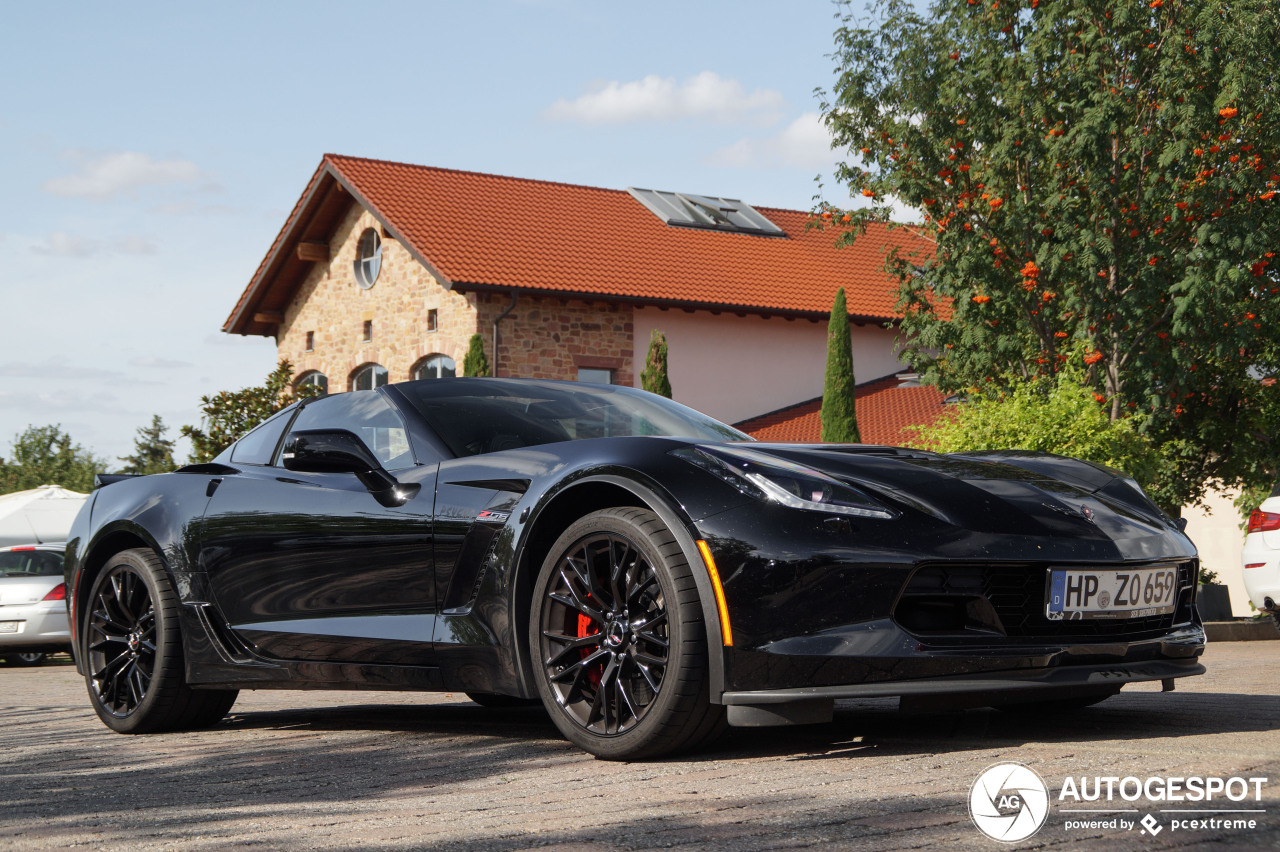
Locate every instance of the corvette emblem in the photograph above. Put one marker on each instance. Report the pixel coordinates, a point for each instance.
(1087, 512)
(493, 517)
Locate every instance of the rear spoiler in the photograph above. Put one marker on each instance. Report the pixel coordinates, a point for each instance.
(103, 479)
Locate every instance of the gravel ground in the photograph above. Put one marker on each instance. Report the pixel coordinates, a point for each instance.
(385, 770)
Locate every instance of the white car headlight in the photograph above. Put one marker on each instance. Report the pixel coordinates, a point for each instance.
(780, 481)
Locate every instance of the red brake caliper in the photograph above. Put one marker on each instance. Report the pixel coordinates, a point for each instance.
(586, 627)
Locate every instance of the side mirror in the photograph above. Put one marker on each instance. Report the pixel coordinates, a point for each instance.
(328, 451)
(340, 451)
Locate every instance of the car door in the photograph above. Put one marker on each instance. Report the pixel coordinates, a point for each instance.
(310, 566)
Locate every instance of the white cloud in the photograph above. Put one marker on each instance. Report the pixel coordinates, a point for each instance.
(109, 175)
(184, 208)
(56, 368)
(804, 143)
(137, 244)
(63, 244)
(161, 363)
(42, 405)
(654, 98)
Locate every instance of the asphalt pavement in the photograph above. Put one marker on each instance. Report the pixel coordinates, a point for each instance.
(388, 770)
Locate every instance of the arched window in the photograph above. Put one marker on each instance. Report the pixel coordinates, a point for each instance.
(368, 258)
(435, 367)
(368, 377)
(314, 377)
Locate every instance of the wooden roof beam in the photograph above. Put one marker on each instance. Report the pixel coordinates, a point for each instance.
(313, 251)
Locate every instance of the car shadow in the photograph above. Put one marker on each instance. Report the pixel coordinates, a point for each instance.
(857, 725)
(863, 725)
(464, 718)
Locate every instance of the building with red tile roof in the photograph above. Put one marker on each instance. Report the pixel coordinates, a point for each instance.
(887, 408)
(384, 272)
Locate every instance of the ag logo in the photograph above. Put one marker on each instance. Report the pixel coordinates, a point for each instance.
(1009, 802)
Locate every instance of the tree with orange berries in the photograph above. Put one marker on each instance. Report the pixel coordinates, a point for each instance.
(1102, 182)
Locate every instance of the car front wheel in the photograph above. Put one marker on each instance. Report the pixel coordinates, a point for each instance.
(619, 642)
(133, 650)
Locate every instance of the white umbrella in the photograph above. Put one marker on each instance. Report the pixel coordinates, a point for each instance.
(39, 515)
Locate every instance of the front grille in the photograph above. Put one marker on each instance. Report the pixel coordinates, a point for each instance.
(1016, 594)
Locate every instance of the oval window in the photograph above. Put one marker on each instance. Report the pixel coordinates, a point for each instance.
(368, 258)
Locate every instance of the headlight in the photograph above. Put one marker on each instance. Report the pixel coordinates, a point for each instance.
(780, 481)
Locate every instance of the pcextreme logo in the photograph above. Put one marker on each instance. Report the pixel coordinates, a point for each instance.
(1010, 802)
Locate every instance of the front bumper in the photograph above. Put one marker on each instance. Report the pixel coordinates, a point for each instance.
(989, 676)
(40, 626)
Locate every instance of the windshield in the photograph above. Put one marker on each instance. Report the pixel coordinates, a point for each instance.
(474, 416)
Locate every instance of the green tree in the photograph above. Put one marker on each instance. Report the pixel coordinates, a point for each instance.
(45, 455)
(1097, 177)
(1055, 415)
(839, 415)
(475, 363)
(230, 414)
(654, 376)
(152, 452)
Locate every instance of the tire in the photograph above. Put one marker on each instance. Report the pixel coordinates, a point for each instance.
(1067, 704)
(133, 652)
(494, 701)
(26, 658)
(619, 645)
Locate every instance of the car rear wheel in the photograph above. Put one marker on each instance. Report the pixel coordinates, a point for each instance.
(133, 651)
(26, 658)
(619, 643)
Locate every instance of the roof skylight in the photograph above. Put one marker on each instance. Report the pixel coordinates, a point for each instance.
(685, 210)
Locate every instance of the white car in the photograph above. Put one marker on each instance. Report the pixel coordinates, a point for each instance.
(33, 604)
(1261, 557)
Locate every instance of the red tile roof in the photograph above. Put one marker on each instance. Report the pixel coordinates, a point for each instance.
(884, 412)
(479, 231)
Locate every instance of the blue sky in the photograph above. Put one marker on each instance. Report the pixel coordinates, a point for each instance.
(150, 152)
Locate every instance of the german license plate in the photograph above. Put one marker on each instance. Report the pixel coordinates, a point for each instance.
(9, 626)
(1095, 593)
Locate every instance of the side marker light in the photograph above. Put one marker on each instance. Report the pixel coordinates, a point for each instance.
(725, 630)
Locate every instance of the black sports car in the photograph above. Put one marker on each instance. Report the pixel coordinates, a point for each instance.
(647, 573)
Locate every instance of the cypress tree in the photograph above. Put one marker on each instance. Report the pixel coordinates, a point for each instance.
(839, 416)
(654, 377)
(475, 364)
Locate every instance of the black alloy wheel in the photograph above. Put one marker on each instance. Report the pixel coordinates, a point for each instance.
(618, 635)
(133, 652)
(122, 642)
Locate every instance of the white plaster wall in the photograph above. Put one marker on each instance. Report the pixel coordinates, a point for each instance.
(733, 367)
(1216, 532)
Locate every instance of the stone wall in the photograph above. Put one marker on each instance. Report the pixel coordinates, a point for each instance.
(550, 338)
(333, 306)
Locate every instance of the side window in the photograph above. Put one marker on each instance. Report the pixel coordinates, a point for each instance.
(366, 414)
(258, 446)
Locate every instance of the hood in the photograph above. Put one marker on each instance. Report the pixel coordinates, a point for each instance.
(1002, 493)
